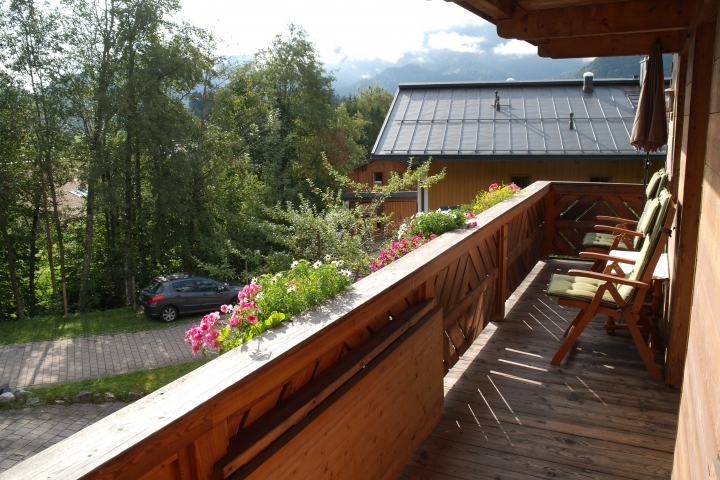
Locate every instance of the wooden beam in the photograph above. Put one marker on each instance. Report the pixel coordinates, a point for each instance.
(474, 10)
(497, 9)
(610, 45)
(543, 4)
(601, 19)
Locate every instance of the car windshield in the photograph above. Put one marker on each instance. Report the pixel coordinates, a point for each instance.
(154, 287)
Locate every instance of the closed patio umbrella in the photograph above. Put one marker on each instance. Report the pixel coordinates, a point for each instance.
(650, 127)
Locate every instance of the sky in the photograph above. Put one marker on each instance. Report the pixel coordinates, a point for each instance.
(342, 30)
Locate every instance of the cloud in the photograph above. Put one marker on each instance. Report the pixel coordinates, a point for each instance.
(454, 41)
(380, 29)
(517, 48)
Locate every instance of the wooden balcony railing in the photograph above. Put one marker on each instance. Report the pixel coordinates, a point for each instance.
(350, 389)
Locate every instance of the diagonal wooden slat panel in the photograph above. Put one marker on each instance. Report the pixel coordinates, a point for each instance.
(470, 279)
(458, 340)
(572, 236)
(621, 209)
(458, 282)
(583, 204)
(477, 263)
(600, 208)
(486, 256)
(491, 243)
(450, 355)
(564, 201)
(562, 247)
(440, 281)
(446, 291)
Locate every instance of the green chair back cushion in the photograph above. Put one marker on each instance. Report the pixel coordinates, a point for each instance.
(647, 220)
(653, 184)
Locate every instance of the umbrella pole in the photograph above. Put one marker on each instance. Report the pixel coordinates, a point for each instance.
(645, 179)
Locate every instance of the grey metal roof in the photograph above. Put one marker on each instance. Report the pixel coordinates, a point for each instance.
(458, 120)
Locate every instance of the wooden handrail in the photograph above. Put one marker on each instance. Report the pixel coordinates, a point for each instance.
(186, 429)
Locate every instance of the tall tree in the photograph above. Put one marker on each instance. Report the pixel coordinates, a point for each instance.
(34, 41)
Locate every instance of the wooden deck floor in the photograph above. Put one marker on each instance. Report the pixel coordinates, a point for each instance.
(509, 414)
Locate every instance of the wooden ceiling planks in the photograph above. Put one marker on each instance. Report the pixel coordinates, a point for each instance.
(590, 28)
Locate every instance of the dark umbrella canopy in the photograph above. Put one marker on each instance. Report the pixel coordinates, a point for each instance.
(650, 127)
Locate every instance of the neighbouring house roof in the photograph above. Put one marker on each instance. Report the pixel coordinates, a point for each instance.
(460, 121)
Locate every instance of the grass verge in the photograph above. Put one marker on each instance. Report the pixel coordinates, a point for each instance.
(146, 381)
(89, 324)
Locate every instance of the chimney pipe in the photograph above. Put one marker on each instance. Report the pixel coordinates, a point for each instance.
(588, 82)
(572, 127)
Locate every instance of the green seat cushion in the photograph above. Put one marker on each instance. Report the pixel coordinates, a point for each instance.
(601, 240)
(584, 289)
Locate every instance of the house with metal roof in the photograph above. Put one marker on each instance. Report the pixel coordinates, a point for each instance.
(514, 131)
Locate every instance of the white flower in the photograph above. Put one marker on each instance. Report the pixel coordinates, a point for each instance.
(347, 273)
(254, 280)
(294, 264)
(317, 264)
(291, 288)
(338, 263)
(259, 295)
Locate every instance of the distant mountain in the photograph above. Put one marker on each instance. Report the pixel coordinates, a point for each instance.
(489, 58)
(620, 67)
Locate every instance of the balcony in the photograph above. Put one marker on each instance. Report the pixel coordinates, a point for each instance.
(434, 367)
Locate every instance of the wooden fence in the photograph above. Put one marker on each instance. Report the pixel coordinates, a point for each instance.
(350, 389)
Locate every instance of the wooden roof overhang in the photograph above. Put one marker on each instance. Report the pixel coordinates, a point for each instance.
(593, 28)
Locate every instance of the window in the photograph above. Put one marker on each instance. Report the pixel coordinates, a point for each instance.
(600, 179)
(206, 285)
(377, 177)
(155, 287)
(184, 286)
(521, 181)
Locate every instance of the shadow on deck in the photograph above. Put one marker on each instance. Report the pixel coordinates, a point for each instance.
(509, 414)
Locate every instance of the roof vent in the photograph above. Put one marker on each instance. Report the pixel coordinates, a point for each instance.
(572, 118)
(510, 79)
(588, 82)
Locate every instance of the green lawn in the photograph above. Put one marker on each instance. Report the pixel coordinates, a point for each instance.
(120, 320)
(146, 381)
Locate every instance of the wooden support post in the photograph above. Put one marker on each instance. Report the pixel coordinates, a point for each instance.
(689, 185)
(501, 286)
(549, 221)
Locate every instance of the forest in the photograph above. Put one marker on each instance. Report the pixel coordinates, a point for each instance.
(129, 148)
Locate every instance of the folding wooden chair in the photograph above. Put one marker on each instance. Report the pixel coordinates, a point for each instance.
(614, 293)
(627, 234)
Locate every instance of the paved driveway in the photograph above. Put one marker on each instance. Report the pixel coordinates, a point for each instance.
(59, 361)
(27, 431)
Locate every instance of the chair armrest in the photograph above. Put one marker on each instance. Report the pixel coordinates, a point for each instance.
(618, 231)
(607, 278)
(603, 218)
(608, 258)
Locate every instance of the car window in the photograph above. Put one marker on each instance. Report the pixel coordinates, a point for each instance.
(206, 285)
(184, 286)
(155, 287)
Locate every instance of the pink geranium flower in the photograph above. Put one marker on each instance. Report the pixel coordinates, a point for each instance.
(493, 186)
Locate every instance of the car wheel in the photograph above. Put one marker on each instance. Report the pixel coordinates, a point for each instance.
(169, 313)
